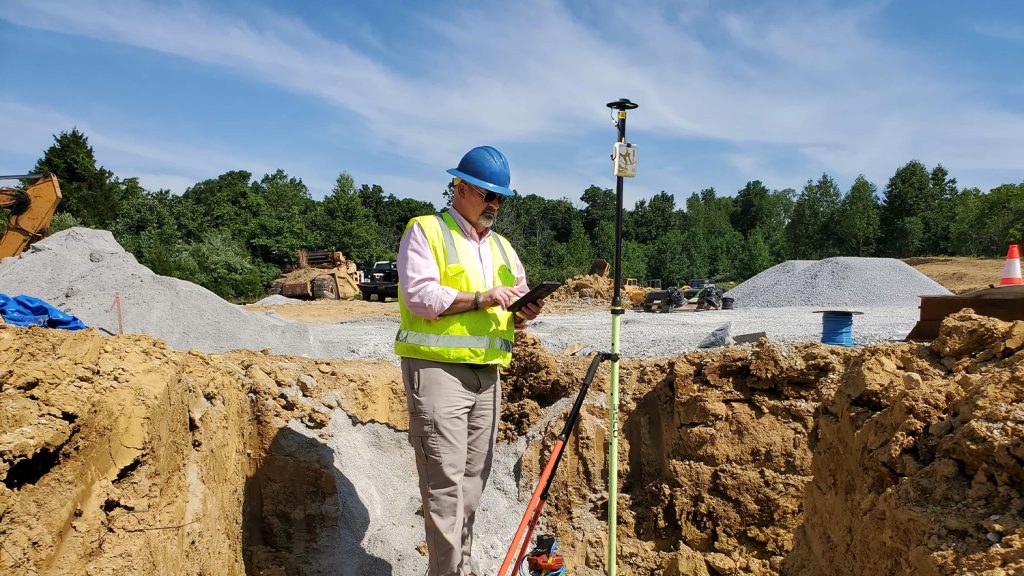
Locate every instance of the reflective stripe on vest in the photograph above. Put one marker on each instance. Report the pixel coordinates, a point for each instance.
(501, 248)
(446, 341)
(449, 241)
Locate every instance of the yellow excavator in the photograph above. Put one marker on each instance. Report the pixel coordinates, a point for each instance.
(31, 210)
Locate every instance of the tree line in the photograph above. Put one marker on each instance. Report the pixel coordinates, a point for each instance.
(234, 234)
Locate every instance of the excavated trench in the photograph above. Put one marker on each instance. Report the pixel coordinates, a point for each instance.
(119, 455)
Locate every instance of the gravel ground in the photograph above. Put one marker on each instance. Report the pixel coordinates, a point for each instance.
(649, 335)
(646, 334)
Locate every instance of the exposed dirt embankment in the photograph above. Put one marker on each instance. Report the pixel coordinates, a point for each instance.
(122, 456)
(919, 464)
(713, 458)
(807, 459)
(119, 455)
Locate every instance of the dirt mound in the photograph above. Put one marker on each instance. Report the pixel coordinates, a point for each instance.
(713, 459)
(591, 291)
(919, 466)
(584, 286)
(806, 459)
(122, 456)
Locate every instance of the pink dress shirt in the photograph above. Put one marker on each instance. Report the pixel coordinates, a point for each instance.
(419, 278)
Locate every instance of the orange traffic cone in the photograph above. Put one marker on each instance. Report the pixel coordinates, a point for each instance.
(1011, 268)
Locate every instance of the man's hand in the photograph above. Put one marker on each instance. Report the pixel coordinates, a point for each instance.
(527, 313)
(498, 296)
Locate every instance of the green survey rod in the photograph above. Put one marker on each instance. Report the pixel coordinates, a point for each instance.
(624, 159)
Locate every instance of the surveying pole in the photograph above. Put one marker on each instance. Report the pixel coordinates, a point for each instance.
(624, 159)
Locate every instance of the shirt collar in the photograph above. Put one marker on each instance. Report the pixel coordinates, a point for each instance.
(468, 229)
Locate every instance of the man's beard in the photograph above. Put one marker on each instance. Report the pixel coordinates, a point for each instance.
(485, 219)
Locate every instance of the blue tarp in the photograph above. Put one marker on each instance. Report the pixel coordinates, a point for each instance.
(29, 311)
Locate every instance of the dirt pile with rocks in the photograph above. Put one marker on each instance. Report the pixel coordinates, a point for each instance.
(806, 459)
(121, 455)
(592, 290)
(713, 459)
(919, 459)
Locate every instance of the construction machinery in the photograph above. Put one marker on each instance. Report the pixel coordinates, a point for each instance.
(31, 210)
(382, 280)
(696, 285)
(1002, 302)
(319, 274)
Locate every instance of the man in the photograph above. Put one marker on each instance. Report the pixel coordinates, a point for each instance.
(456, 278)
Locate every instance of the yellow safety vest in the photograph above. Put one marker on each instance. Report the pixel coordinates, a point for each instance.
(481, 336)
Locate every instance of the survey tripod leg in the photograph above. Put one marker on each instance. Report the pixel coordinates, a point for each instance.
(521, 541)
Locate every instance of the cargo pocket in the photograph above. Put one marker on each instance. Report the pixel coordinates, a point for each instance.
(421, 436)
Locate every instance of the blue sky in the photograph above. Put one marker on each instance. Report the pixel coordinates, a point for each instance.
(395, 92)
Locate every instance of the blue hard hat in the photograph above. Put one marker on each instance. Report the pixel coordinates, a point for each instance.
(486, 167)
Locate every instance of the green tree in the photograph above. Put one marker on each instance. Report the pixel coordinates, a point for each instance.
(1000, 220)
(634, 260)
(968, 226)
(564, 259)
(909, 196)
(710, 244)
(759, 210)
(599, 220)
(655, 218)
(390, 215)
(224, 266)
(753, 208)
(228, 201)
(89, 192)
(150, 227)
(857, 219)
(281, 210)
(939, 214)
(755, 256)
(547, 234)
(909, 236)
(61, 221)
(809, 234)
(667, 260)
(341, 222)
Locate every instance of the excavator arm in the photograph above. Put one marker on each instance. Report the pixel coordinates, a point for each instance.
(31, 210)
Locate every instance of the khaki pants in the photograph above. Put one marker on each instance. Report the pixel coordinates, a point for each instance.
(453, 423)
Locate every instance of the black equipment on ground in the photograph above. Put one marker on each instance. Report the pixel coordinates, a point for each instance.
(543, 560)
(710, 299)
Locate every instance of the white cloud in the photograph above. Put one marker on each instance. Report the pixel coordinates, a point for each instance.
(809, 76)
(1011, 31)
(163, 164)
(28, 128)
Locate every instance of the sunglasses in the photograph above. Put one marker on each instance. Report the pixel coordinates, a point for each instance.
(488, 196)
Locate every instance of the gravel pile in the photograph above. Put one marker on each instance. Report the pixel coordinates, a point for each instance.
(842, 282)
(80, 270)
(388, 491)
(275, 299)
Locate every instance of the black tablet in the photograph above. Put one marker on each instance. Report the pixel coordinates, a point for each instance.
(539, 291)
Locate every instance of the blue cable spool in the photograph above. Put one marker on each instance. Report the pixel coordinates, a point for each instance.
(837, 327)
